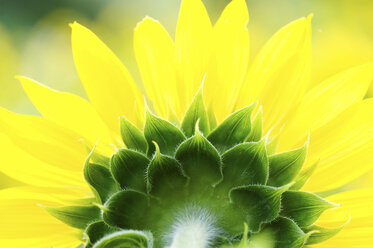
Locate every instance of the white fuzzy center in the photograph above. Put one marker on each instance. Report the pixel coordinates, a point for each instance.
(194, 228)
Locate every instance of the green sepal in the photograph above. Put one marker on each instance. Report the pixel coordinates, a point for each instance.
(132, 137)
(271, 145)
(83, 201)
(245, 164)
(165, 176)
(75, 216)
(125, 239)
(96, 157)
(281, 233)
(233, 130)
(200, 160)
(320, 234)
(126, 209)
(301, 241)
(172, 117)
(213, 123)
(96, 231)
(259, 204)
(303, 207)
(285, 166)
(256, 127)
(195, 112)
(129, 168)
(167, 136)
(303, 176)
(100, 180)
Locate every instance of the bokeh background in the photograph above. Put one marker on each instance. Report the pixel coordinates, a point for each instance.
(35, 36)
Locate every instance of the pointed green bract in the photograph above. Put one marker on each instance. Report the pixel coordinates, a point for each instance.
(200, 161)
(245, 164)
(100, 180)
(284, 167)
(196, 112)
(75, 216)
(232, 130)
(96, 231)
(126, 209)
(213, 123)
(256, 127)
(163, 132)
(172, 117)
(271, 145)
(132, 137)
(129, 168)
(320, 234)
(259, 204)
(303, 177)
(165, 176)
(96, 157)
(303, 207)
(125, 239)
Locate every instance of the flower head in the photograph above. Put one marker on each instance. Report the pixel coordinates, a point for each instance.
(222, 152)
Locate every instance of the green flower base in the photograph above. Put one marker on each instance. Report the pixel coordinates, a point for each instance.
(196, 185)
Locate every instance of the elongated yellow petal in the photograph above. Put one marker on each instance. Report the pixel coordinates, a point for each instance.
(27, 169)
(57, 195)
(68, 110)
(192, 44)
(68, 240)
(155, 55)
(107, 82)
(344, 147)
(44, 140)
(358, 232)
(326, 101)
(229, 59)
(280, 73)
(23, 218)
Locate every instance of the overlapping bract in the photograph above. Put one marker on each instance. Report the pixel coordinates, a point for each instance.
(227, 171)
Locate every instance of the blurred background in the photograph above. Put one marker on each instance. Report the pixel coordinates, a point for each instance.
(35, 36)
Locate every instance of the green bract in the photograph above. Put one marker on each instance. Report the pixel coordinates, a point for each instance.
(195, 186)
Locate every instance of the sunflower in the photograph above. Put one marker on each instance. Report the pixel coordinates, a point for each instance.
(221, 153)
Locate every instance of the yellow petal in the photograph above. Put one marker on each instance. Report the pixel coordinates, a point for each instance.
(68, 240)
(22, 218)
(155, 55)
(192, 44)
(280, 73)
(344, 146)
(20, 165)
(60, 195)
(68, 110)
(44, 140)
(107, 82)
(229, 59)
(325, 101)
(358, 232)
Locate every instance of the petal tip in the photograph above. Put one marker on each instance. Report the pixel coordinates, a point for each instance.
(73, 24)
(147, 20)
